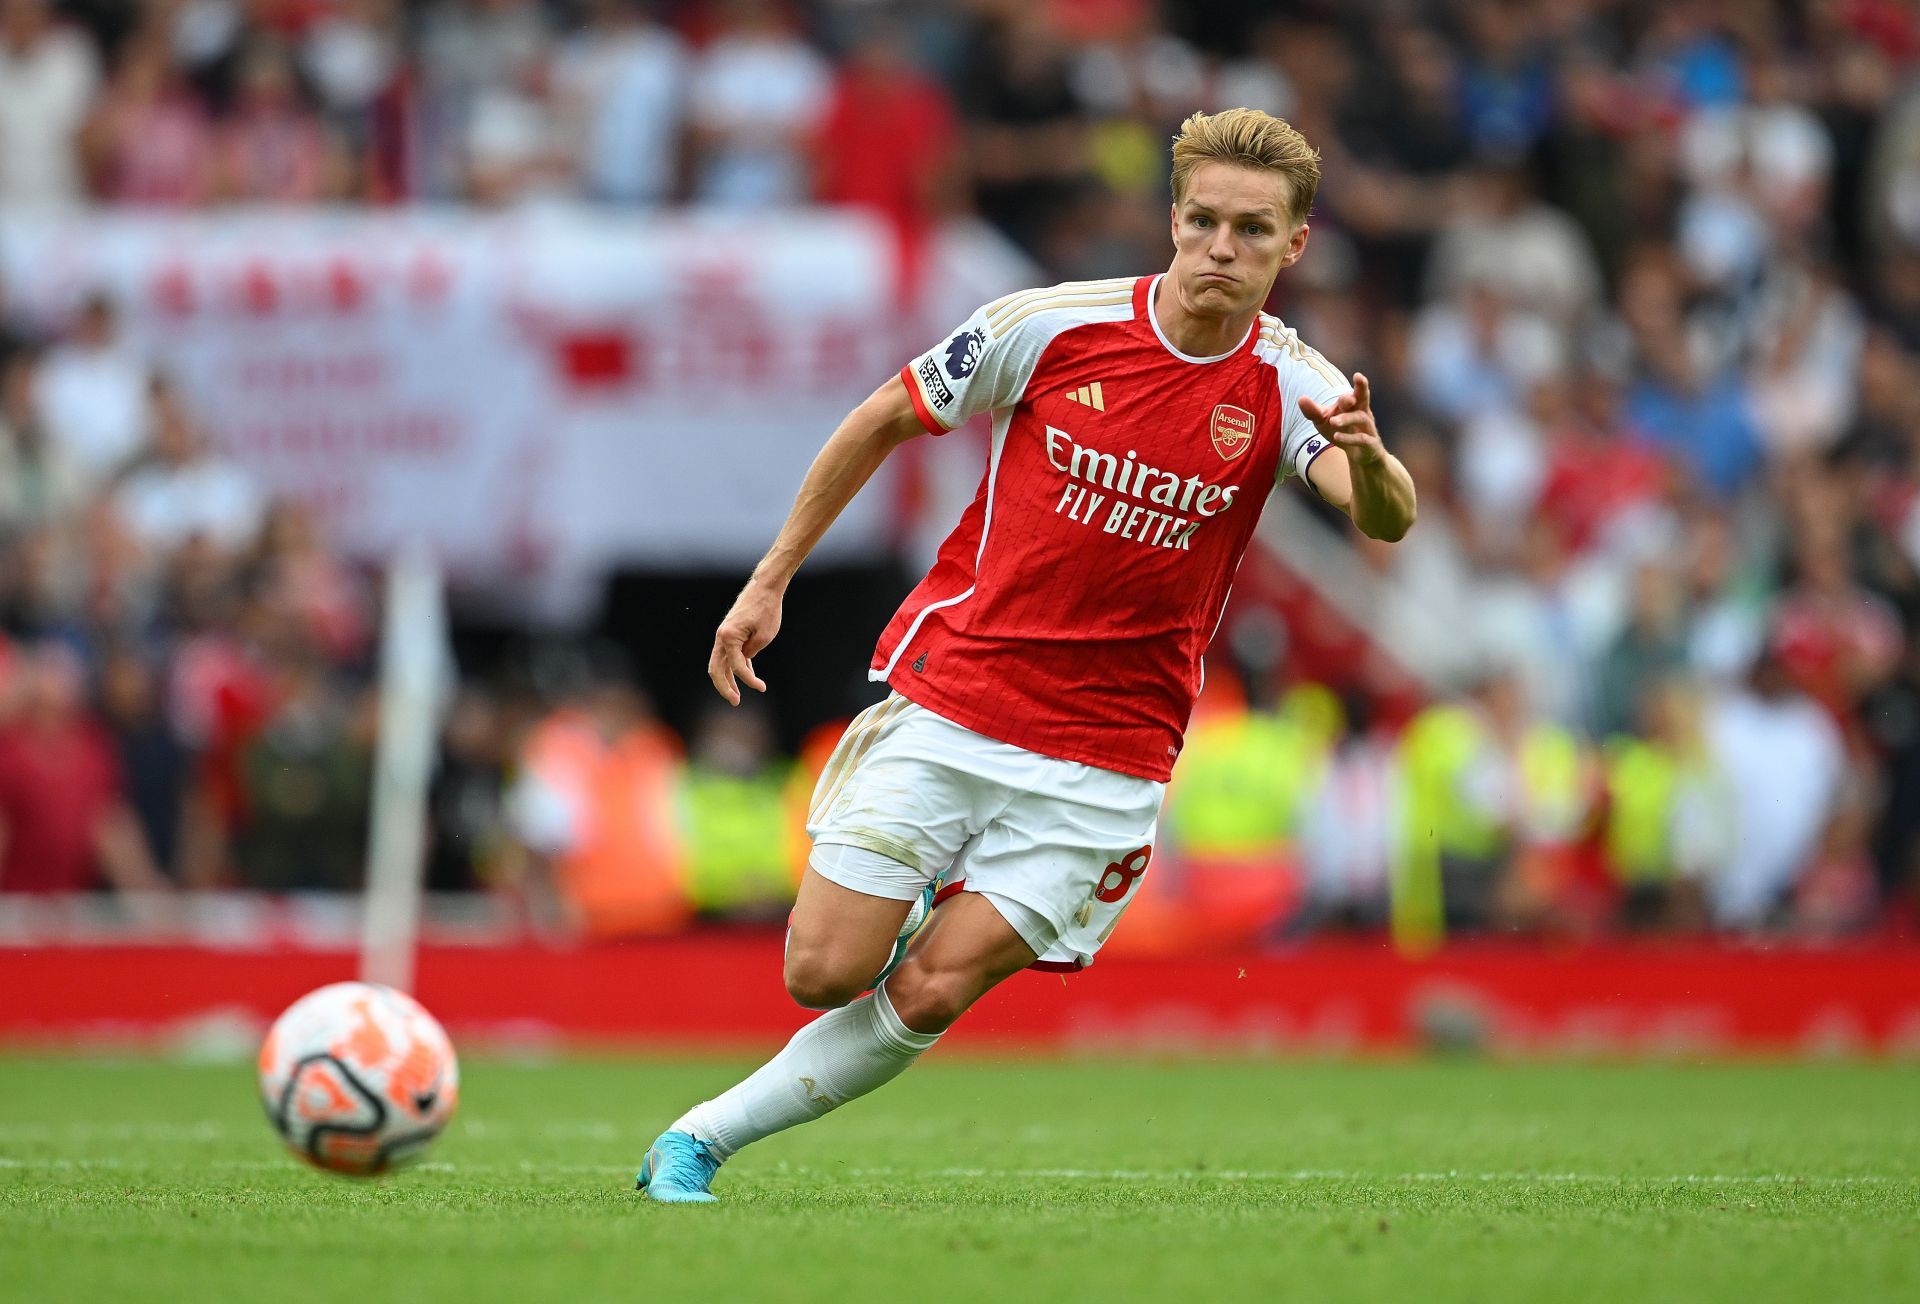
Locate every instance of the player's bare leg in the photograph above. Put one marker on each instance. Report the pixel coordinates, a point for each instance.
(965, 949)
(837, 941)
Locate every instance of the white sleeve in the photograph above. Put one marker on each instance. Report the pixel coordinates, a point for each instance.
(1311, 376)
(969, 372)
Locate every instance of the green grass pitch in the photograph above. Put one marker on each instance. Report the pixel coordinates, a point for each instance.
(1084, 1180)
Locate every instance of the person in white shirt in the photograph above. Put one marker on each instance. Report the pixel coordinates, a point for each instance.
(1784, 760)
(620, 88)
(92, 394)
(187, 492)
(756, 95)
(48, 77)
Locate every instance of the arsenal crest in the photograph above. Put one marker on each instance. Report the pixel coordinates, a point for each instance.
(1232, 431)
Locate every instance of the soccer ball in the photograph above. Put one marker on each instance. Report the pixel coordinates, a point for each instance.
(358, 1078)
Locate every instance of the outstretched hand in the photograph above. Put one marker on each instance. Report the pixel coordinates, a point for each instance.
(750, 625)
(1348, 422)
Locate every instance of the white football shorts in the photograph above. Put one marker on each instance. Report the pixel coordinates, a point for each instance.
(909, 797)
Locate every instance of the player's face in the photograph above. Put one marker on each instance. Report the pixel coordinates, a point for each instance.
(1231, 236)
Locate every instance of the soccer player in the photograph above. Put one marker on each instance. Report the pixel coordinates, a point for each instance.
(1044, 670)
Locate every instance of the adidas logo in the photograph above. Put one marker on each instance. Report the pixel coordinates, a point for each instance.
(1090, 396)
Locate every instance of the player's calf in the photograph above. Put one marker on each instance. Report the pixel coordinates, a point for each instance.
(932, 1000)
(965, 950)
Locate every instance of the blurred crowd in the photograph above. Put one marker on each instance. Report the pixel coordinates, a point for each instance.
(1637, 286)
(178, 652)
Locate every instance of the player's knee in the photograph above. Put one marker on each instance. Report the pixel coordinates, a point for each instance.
(815, 983)
(929, 999)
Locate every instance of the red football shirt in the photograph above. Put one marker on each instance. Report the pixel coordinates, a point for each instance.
(55, 787)
(1069, 610)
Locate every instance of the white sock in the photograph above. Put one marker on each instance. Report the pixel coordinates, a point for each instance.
(840, 1055)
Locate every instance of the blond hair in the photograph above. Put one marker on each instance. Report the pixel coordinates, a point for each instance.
(1248, 138)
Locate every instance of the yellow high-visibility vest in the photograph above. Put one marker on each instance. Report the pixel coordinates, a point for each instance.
(738, 837)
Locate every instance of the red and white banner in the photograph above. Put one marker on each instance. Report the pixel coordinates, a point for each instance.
(535, 394)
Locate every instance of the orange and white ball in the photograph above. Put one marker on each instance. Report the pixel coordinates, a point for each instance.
(358, 1078)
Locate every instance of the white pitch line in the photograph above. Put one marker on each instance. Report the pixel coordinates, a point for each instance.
(1355, 1175)
(1300, 1175)
(210, 1130)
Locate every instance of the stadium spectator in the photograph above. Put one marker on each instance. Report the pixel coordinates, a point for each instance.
(1670, 809)
(1768, 144)
(596, 850)
(185, 490)
(39, 484)
(755, 98)
(619, 87)
(1600, 485)
(1808, 337)
(1505, 240)
(154, 767)
(1837, 641)
(1347, 835)
(272, 147)
(466, 805)
(1480, 354)
(888, 140)
(481, 111)
(150, 142)
(1893, 722)
(291, 565)
(1784, 761)
(1456, 821)
(354, 56)
(1137, 81)
(1888, 406)
(1651, 649)
(1696, 408)
(737, 800)
(38, 584)
(93, 393)
(1506, 89)
(1256, 75)
(65, 825)
(305, 777)
(48, 76)
(1725, 603)
(1027, 143)
(1546, 615)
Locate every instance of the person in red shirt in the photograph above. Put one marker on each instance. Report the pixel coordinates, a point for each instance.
(150, 139)
(64, 824)
(1597, 471)
(274, 148)
(887, 141)
(1044, 671)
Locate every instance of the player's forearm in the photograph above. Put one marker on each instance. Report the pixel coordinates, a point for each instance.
(843, 467)
(1383, 498)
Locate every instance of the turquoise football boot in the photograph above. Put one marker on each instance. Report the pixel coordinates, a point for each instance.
(917, 916)
(679, 1169)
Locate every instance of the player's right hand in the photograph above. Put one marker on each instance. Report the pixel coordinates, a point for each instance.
(749, 626)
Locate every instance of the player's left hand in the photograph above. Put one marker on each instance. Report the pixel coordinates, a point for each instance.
(748, 628)
(1348, 423)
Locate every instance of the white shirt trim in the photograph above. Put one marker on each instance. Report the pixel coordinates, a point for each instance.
(1002, 421)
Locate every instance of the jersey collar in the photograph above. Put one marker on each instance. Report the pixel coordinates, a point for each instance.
(1146, 310)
